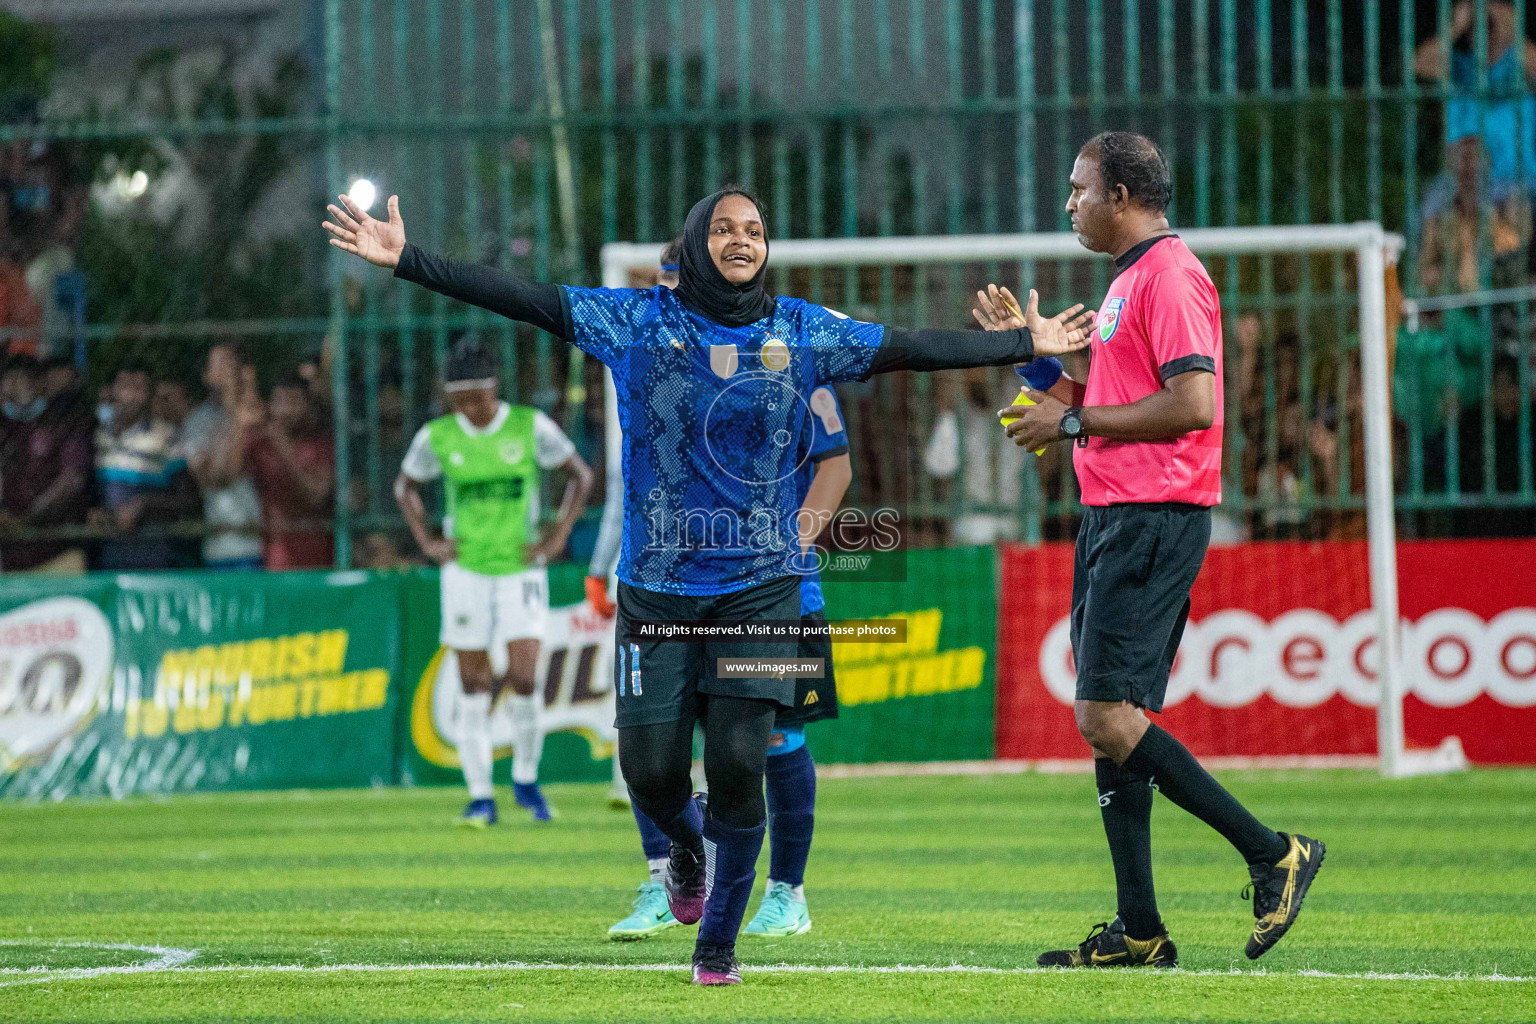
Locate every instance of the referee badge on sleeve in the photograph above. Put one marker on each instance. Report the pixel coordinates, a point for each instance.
(1109, 318)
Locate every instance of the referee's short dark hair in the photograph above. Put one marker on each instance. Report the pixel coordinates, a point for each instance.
(1134, 161)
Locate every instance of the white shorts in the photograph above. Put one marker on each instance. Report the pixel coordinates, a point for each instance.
(482, 612)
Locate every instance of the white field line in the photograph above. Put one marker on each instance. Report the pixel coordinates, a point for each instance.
(821, 969)
(1056, 767)
(175, 961)
(167, 958)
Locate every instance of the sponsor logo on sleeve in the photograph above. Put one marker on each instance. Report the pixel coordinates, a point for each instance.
(824, 405)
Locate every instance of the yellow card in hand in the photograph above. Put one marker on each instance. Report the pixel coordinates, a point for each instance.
(1023, 399)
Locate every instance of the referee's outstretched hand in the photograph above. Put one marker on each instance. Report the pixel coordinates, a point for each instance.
(380, 242)
(997, 310)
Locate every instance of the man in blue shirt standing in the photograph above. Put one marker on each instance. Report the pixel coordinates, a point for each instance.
(141, 470)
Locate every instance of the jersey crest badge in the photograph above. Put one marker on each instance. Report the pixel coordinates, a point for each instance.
(775, 354)
(512, 452)
(1109, 318)
(810, 697)
(723, 359)
(457, 458)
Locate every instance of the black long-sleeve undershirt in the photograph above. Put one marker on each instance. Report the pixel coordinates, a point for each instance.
(545, 306)
(935, 348)
(531, 302)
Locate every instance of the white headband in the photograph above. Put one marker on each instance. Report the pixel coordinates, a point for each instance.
(470, 385)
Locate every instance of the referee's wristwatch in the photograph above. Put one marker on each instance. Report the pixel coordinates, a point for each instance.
(1072, 425)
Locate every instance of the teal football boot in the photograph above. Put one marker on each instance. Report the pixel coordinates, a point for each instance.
(780, 913)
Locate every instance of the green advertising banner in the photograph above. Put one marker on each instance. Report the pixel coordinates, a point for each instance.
(173, 682)
(931, 698)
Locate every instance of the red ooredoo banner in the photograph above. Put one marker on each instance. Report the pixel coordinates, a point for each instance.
(1279, 657)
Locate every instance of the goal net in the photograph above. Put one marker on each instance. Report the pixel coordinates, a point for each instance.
(1294, 647)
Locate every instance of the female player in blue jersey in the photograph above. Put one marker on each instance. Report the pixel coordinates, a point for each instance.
(790, 771)
(714, 381)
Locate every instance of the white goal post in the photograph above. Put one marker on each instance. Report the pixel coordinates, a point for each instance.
(1371, 246)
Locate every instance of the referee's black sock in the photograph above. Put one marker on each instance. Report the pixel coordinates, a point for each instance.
(1174, 770)
(1125, 801)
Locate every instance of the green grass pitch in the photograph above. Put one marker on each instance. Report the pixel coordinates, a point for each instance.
(368, 906)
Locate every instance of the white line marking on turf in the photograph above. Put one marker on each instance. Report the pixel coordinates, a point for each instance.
(899, 769)
(163, 966)
(167, 958)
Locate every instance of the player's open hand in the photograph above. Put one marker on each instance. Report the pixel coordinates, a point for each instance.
(997, 310)
(1036, 425)
(380, 242)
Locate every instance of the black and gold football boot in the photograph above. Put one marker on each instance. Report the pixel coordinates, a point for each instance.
(1107, 945)
(1277, 891)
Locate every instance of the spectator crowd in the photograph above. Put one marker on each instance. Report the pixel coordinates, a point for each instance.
(237, 471)
(144, 479)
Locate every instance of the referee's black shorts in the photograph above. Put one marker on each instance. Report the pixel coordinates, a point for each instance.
(663, 680)
(1131, 575)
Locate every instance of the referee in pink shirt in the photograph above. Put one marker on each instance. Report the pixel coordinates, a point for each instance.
(1147, 436)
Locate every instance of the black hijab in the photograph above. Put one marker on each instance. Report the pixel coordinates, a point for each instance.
(702, 288)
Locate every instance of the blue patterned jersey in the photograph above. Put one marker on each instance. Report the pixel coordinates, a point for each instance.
(829, 437)
(718, 427)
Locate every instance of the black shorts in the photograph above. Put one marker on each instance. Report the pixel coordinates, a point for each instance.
(815, 699)
(663, 680)
(1131, 575)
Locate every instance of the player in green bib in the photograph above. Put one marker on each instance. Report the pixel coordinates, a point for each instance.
(495, 588)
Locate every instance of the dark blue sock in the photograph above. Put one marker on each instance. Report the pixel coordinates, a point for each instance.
(732, 856)
(791, 813)
(686, 829)
(652, 839)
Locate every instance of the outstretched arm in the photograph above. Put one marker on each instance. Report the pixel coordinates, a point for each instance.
(532, 302)
(1024, 336)
(997, 310)
(928, 349)
(383, 244)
